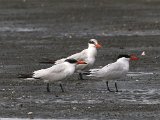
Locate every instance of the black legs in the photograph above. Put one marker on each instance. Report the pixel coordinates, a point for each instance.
(81, 76)
(61, 87)
(48, 89)
(116, 87)
(109, 88)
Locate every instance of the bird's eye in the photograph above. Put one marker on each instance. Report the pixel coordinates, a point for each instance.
(91, 42)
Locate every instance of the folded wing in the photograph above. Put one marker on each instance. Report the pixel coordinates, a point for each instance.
(78, 56)
(52, 71)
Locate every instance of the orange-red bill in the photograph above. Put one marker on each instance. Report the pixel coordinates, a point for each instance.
(98, 45)
(133, 57)
(81, 62)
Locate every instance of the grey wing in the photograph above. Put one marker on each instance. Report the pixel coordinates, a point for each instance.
(109, 69)
(54, 69)
(79, 56)
(112, 67)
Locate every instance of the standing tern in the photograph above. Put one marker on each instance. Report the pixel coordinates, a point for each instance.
(88, 55)
(55, 73)
(113, 71)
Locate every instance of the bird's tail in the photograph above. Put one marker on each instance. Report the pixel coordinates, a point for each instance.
(24, 75)
(91, 72)
(60, 61)
(27, 76)
(47, 61)
(50, 61)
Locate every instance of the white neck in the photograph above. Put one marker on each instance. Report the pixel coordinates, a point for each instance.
(92, 50)
(125, 62)
(71, 67)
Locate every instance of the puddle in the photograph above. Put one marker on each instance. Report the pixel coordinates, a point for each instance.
(132, 33)
(110, 33)
(139, 96)
(139, 73)
(20, 29)
(79, 102)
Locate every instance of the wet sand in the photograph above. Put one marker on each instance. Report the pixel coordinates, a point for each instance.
(33, 30)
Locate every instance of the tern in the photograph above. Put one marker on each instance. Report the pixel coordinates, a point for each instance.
(54, 73)
(113, 71)
(88, 55)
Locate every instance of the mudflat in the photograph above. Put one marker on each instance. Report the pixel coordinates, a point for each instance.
(37, 29)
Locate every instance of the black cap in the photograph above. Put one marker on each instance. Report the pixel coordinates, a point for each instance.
(71, 60)
(91, 42)
(123, 55)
